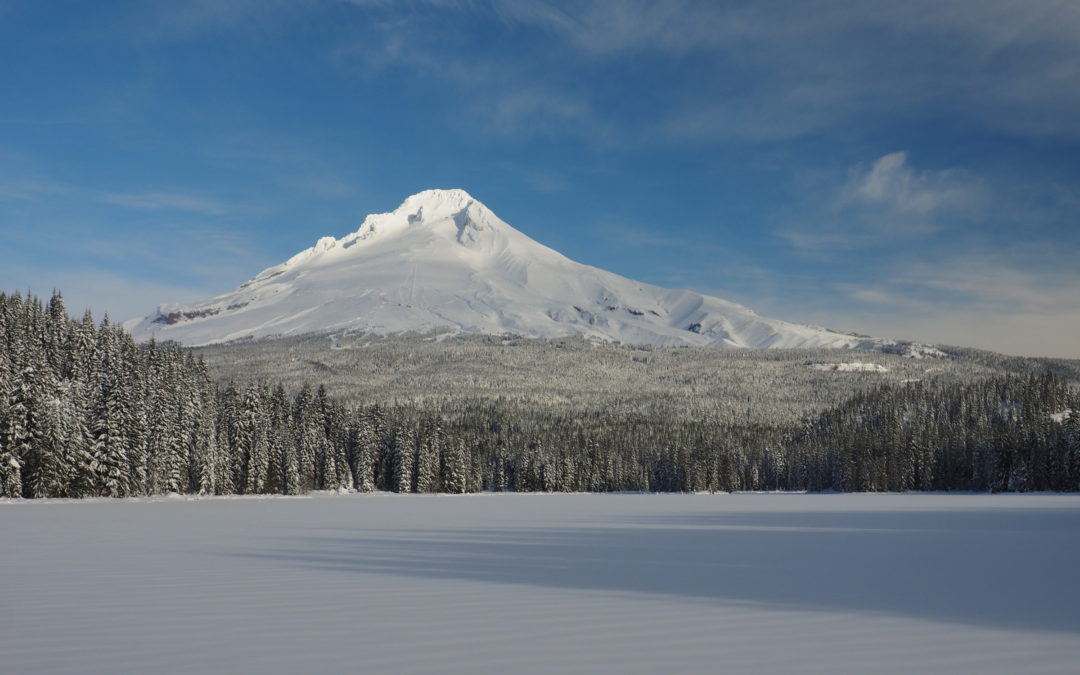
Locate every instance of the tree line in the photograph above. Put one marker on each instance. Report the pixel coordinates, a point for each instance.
(85, 411)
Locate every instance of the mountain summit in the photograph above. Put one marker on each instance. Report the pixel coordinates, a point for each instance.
(443, 260)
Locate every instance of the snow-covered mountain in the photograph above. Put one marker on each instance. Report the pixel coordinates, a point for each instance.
(443, 259)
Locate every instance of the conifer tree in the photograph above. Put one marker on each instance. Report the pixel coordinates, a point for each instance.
(109, 445)
(365, 449)
(16, 434)
(251, 442)
(10, 475)
(308, 430)
(454, 478)
(402, 467)
(427, 459)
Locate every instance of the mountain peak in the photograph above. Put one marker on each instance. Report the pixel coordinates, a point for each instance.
(432, 205)
(444, 214)
(435, 197)
(443, 259)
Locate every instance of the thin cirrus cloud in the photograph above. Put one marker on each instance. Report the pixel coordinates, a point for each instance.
(510, 97)
(940, 255)
(763, 71)
(883, 201)
(783, 69)
(106, 292)
(988, 283)
(168, 201)
(1015, 303)
(125, 255)
(130, 278)
(36, 186)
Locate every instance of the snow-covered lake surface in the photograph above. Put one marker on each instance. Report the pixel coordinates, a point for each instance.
(757, 583)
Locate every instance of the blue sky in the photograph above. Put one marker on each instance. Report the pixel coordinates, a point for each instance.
(902, 169)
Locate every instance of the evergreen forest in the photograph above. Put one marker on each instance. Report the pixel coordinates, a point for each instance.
(85, 411)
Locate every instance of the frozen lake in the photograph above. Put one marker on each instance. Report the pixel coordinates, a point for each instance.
(534, 583)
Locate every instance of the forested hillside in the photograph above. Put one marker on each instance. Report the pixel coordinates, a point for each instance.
(85, 411)
(575, 376)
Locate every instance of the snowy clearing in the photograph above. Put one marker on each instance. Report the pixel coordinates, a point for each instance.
(764, 583)
(852, 367)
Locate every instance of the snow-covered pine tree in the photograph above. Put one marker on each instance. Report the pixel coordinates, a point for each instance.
(136, 424)
(454, 478)
(568, 471)
(82, 349)
(402, 461)
(158, 418)
(308, 431)
(365, 450)
(334, 464)
(283, 443)
(16, 433)
(109, 445)
(45, 472)
(474, 474)
(75, 409)
(10, 475)
(56, 334)
(427, 459)
(251, 442)
(206, 461)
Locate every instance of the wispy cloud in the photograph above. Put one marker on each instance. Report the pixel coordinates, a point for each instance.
(1036, 281)
(641, 237)
(939, 255)
(168, 240)
(629, 25)
(614, 26)
(28, 189)
(539, 180)
(768, 114)
(183, 20)
(30, 184)
(890, 183)
(761, 72)
(292, 164)
(532, 110)
(508, 97)
(1025, 304)
(881, 202)
(21, 177)
(168, 201)
(1007, 64)
(121, 296)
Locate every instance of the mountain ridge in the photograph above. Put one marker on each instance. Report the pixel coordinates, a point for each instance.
(443, 259)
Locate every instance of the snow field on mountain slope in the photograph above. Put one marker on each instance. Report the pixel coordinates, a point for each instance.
(763, 583)
(443, 259)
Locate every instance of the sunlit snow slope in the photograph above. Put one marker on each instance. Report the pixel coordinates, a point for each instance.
(443, 259)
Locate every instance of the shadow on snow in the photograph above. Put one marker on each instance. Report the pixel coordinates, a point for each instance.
(1008, 568)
